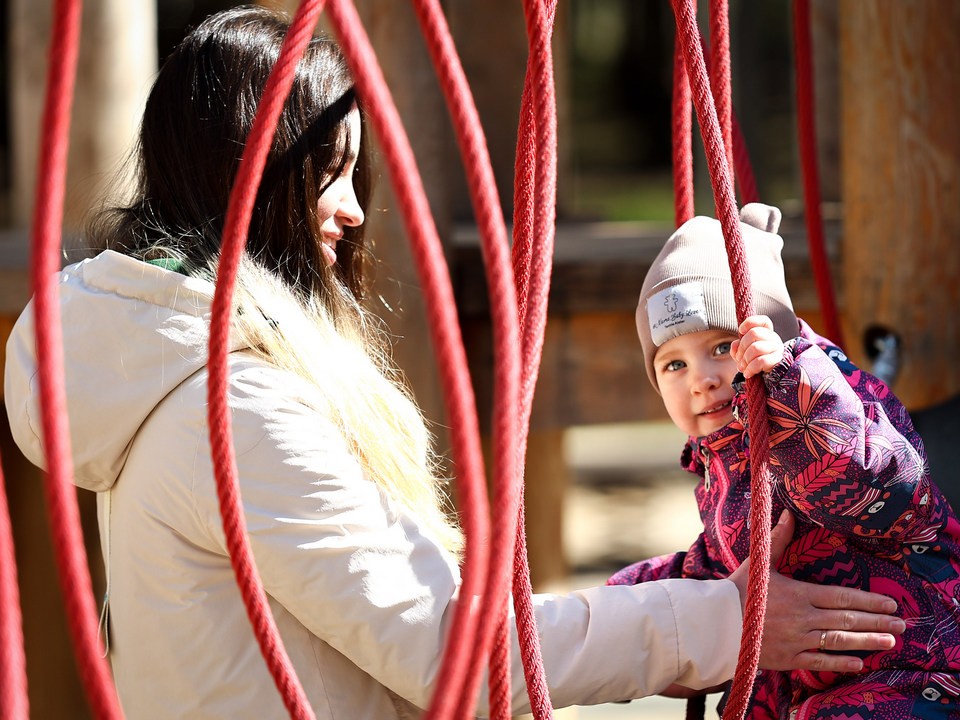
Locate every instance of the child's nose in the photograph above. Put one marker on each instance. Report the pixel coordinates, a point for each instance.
(705, 381)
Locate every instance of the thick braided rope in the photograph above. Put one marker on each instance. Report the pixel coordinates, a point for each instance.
(523, 246)
(14, 703)
(541, 137)
(525, 235)
(524, 179)
(742, 166)
(738, 156)
(682, 147)
(448, 345)
(236, 225)
(534, 230)
(503, 304)
(73, 571)
(500, 688)
(681, 137)
(758, 580)
(719, 69)
(806, 128)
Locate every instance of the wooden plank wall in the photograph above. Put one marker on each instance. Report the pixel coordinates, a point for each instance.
(900, 83)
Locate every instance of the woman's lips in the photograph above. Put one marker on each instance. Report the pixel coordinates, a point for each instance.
(328, 249)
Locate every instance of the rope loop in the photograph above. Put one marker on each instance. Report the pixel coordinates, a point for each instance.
(726, 209)
(46, 242)
(236, 225)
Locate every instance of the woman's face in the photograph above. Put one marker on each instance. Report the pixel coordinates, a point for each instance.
(338, 207)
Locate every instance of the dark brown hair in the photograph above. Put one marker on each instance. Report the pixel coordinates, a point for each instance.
(196, 121)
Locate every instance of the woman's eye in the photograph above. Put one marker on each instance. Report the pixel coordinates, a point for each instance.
(674, 365)
(722, 349)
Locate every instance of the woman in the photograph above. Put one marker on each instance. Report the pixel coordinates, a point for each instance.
(344, 513)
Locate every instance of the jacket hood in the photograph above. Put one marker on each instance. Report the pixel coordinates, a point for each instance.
(132, 332)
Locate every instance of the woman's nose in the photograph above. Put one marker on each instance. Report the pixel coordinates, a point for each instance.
(350, 211)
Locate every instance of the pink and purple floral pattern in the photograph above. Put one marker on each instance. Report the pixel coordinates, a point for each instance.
(846, 460)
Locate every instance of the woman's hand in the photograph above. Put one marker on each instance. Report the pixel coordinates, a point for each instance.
(803, 619)
(759, 348)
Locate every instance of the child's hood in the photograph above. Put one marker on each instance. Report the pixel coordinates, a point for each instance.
(132, 333)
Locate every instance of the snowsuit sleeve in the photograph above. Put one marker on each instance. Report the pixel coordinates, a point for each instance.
(692, 563)
(843, 449)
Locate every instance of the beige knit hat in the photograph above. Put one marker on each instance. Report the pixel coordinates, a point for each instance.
(688, 287)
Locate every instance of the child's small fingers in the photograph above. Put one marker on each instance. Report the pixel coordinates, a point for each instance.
(760, 364)
(750, 369)
(757, 349)
(755, 321)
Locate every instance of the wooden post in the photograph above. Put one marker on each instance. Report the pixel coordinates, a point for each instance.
(900, 90)
(116, 63)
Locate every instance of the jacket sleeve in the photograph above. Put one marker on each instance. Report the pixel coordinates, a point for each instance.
(360, 574)
(649, 570)
(844, 451)
(693, 563)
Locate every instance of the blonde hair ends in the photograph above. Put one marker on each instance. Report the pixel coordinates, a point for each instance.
(340, 354)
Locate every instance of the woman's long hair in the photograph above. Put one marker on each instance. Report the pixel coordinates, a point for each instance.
(295, 311)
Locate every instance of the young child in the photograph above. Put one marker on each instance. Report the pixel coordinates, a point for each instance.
(844, 458)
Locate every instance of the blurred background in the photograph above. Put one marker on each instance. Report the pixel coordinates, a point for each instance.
(603, 485)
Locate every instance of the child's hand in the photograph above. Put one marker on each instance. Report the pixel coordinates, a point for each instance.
(759, 348)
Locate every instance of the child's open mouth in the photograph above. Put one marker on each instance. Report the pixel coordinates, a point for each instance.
(716, 408)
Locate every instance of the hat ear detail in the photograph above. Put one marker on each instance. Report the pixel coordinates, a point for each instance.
(763, 217)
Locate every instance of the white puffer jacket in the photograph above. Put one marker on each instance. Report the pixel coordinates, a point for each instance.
(361, 597)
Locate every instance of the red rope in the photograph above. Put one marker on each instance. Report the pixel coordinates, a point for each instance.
(719, 70)
(68, 544)
(806, 126)
(742, 166)
(682, 137)
(236, 225)
(443, 323)
(535, 214)
(760, 509)
(14, 703)
(503, 304)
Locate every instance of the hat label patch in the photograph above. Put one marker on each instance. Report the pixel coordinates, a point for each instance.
(678, 310)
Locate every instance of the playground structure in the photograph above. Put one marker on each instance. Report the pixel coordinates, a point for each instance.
(556, 406)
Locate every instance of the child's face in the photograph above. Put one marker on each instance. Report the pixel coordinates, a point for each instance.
(694, 373)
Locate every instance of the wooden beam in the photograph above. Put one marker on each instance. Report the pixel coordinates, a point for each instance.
(900, 90)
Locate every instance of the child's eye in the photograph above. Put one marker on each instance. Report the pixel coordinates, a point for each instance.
(722, 349)
(674, 365)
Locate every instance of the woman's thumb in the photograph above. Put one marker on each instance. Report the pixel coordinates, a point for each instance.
(780, 536)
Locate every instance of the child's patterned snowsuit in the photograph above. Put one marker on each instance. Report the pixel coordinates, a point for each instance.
(846, 460)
